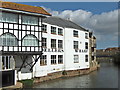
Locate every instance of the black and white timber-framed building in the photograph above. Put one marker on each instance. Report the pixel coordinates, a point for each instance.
(20, 40)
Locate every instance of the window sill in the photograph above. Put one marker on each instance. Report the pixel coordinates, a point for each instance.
(54, 64)
(54, 33)
(76, 36)
(76, 62)
(44, 65)
(60, 48)
(60, 63)
(60, 34)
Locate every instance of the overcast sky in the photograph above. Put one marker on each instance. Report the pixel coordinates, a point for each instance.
(101, 18)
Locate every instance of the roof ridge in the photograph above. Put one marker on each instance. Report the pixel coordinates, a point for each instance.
(71, 22)
(64, 23)
(23, 7)
(19, 4)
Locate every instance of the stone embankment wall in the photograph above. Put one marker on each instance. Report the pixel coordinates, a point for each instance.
(69, 73)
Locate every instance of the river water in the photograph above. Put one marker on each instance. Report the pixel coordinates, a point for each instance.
(105, 77)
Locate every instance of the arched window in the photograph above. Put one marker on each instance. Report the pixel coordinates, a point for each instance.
(8, 39)
(30, 40)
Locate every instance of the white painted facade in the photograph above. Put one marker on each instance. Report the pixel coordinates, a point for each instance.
(44, 70)
(68, 51)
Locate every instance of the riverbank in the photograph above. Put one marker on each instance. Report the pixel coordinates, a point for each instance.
(105, 77)
(52, 76)
(69, 73)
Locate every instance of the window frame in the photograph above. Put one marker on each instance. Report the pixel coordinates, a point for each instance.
(86, 45)
(53, 59)
(44, 28)
(44, 42)
(53, 44)
(60, 31)
(3, 17)
(8, 39)
(75, 33)
(6, 63)
(30, 44)
(60, 59)
(86, 35)
(53, 30)
(60, 44)
(86, 58)
(30, 20)
(76, 58)
(75, 45)
(43, 60)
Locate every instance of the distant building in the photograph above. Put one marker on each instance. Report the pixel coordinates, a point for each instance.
(113, 49)
(92, 49)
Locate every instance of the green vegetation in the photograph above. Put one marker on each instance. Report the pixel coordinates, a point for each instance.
(64, 72)
(27, 82)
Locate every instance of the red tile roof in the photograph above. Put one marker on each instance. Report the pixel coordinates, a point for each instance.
(22, 7)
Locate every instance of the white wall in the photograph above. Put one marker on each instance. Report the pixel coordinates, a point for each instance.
(44, 70)
(68, 54)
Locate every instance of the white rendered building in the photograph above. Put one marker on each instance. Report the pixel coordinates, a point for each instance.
(65, 47)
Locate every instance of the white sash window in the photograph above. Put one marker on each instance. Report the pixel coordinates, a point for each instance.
(60, 44)
(76, 59)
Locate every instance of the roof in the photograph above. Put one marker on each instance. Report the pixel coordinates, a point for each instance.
(22, 7)
(62, 23)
